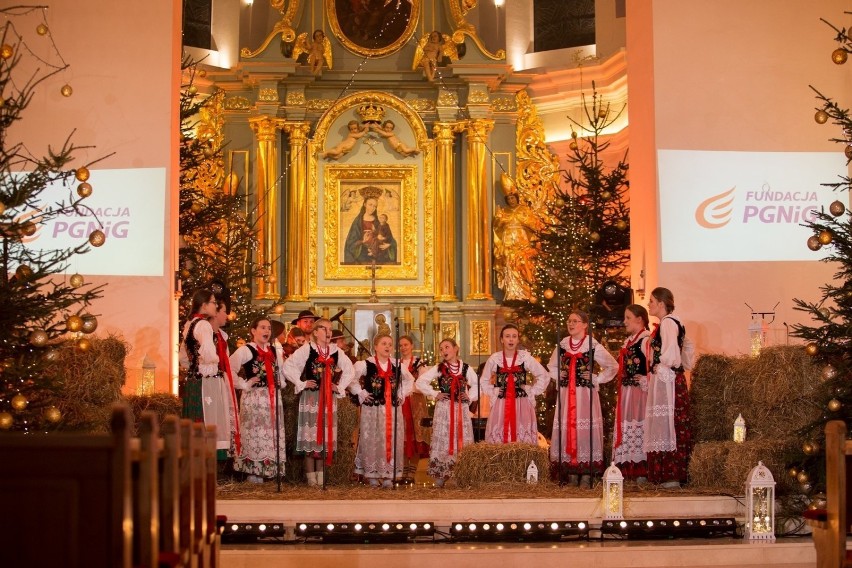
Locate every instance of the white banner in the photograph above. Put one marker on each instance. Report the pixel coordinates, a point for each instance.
(128, 206)
(742, 206)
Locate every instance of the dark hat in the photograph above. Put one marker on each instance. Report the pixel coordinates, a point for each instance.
(304, 314)
(336, 334)
(277, 328)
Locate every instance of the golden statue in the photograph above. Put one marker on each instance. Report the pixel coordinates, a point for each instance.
(429, 50)
(515, 227)
(318, 50)
(386, 131)
(354, 132)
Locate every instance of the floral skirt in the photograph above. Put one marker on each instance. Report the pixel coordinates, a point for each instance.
(257, 432)
(525, 419)
(440, 461)
(371, 459)
(306, 427)
(629, 455)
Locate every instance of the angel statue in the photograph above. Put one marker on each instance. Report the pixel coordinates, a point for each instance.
(515, 227)
(429, 51)
(386, 131)
(318, 50)
(354, 132)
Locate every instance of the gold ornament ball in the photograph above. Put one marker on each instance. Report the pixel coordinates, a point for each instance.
(825, 237)
(51, 355)
(549, 294)
(74, 323)
(560, 202)
(839, 56)
(573, 145)
(90, 323)
(533, 300)
(278, 309)
(83, 344)
(594, 237)
(848, 152)
(806, 487)
(813, 243)
(808, 448)
(97, 238)
(6, 51)
(76, 280)
(66, 90)
(821, 117)
(834, 405)
(29, 228)
(52, 414)
(793, 472)
(621, 224)
(19, 402)
(41, 29)
(829, 372)
(24, 272)
(606, 195)
(802, 477)
(825, 312)
(232, 316)
(192, 89)
(84, 189)
(38, 338)
(602, 113)
(185, 273)
(837, 208)
(574, 134)
(6, 420)
(202, 73)
(196, 207)
(82, 174)
(811, 349)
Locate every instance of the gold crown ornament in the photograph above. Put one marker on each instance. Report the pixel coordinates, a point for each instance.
(371, 112)
(370, 192)
(507, 185)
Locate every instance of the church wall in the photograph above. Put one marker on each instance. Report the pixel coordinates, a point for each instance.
(726, 75)
(124, 72)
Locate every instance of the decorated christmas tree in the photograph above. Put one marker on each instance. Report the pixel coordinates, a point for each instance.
(218, 231)
(41, 306)
(829, 338)
(583, 241)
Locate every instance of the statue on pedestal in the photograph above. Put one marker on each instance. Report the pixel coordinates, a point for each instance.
(515, 228)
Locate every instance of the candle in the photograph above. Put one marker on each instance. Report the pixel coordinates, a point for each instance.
(436, 315)
(406, 315)
(325, 312)
(422, 315)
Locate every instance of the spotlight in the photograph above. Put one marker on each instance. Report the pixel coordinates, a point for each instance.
(670, 528)
(519, 531)
(252, 532)
(364, 532)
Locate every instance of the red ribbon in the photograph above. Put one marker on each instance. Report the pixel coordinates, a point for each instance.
(621, 367)
(225, 367)
(265, 357)
(326, 406)
(456, 427)
(510, 421)
(386, 375)
(571, 439)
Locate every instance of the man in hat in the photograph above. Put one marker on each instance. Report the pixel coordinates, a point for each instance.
(305, 321)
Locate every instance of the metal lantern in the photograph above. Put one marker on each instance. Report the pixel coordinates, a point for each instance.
(739, 429)
(532, 473)
(613, 493)
(146, 380)
(760, 504)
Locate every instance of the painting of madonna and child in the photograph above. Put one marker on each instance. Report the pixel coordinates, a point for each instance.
(370, 221)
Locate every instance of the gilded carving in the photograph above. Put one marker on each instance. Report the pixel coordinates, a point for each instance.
(503, 104)
(448, 99)
(477, 97)
(537, 170)
(450, 329)
(284, 27)
(268, 95)
(421, 105)
(371, 30)
(480, 337)
(318, 105)
(211, 173)
(458, 10)
(237, 103)
(295, 98)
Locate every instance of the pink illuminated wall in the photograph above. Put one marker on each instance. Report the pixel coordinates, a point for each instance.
(124, 60)
(727, 76)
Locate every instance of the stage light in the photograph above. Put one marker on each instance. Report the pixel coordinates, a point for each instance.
(669, 528)
(364, 532)
(253, 532)
(519, 531)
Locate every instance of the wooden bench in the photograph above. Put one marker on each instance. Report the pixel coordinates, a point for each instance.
(89, 500)
(831, 524)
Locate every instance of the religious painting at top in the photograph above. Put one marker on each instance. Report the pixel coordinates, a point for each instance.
(373, 27)
(370, 217)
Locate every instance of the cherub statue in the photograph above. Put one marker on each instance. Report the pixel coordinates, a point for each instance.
(429, 51)
(381, 325)
(356, 131)
(318, 50)
(386, 131)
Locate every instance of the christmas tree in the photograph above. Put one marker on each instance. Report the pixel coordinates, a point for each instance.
(583, 241)
(41, 307)
(218, 232)
(829, 339)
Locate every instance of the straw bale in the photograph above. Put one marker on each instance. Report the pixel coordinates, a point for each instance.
(724, 466)
(479, 464)
(161, 404)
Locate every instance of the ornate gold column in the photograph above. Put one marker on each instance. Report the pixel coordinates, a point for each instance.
(445, 212)
(266, 132)
(297, 212)
(478, 221)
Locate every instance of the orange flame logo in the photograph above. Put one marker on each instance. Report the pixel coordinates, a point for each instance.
(715, 212)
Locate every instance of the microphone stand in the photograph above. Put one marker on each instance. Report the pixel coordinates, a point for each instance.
(559, 402)
(349, 331)
(479, 427)
(591, 403)
(394, 393)
(277, 428)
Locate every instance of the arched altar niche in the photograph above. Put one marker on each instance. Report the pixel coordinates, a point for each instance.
(376, 167)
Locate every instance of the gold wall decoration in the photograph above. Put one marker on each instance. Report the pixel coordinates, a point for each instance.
(295, 99)
(537, 169)
(458, 9)
(375, 29)
(477, 97)
(318, 105)
(480, 337)
(450, 329)
(503, 104)
(478, 223)
(413, 274)
(284, 27)
(211, 120)
(237, 103)
(268, 95)
(421, 105)
(448, 98)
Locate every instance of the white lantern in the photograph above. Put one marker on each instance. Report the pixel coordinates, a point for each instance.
(613, 493)
(532, 473)
(760, 504)
(739, 429)
(146, 379)
(755, 336)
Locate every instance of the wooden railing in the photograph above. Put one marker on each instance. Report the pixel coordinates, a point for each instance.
(112, 500)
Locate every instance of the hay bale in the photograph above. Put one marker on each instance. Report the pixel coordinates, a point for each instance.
(89, 383)
(480, 464)
(724, 466)
(342, 468)
(161, 404)
(774, 392)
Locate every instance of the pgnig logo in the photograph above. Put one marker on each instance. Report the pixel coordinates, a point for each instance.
(763, 207)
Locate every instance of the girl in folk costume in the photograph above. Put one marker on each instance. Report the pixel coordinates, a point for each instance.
(260, 364)
(380, 444)
(457, 387)
(628, 452)
(312, 370)
(579, 401)
(512, 417)
(668, 438)
(204, 393)
(220, 338)
(413, 410)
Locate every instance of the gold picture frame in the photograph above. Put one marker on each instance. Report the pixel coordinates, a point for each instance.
(379, 29)
(347, 190)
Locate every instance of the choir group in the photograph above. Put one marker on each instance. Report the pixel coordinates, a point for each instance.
(651, 438)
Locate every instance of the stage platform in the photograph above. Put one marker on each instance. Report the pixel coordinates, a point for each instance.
(442, 512)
